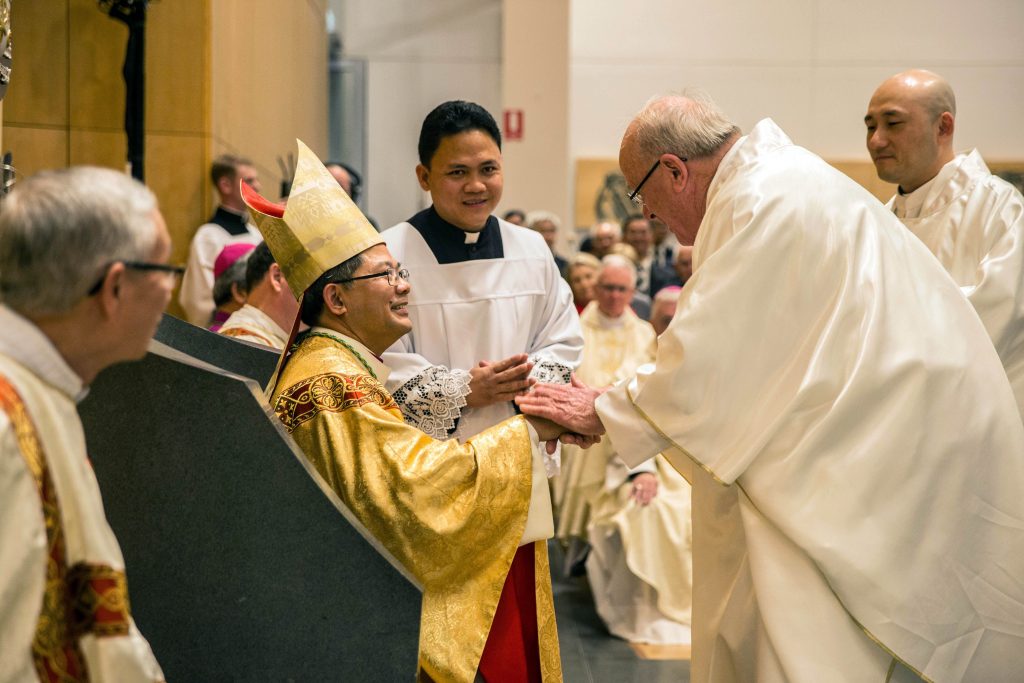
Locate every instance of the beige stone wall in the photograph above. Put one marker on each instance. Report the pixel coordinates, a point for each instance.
(221, 75)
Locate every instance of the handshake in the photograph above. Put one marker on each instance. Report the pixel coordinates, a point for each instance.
(559, 412)
(563, 412)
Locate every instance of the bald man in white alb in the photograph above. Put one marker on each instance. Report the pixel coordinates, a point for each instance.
(971, 220)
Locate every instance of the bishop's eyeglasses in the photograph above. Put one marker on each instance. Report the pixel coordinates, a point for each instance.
(391, 274)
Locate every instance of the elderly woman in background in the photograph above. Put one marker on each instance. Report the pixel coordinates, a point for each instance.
(582, 276)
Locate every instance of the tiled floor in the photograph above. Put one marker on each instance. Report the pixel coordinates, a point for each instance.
(589, 653)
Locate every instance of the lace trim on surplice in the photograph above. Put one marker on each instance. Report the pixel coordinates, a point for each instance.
(433, 400)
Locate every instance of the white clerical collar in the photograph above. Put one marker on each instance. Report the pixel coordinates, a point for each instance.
(376, 364)
(472, 237)
(21, 340)
(606, 322)
(911, 204)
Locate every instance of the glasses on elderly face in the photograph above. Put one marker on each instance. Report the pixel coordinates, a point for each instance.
(391, 274)
(613, 289)
(176, 271)
(635, 195)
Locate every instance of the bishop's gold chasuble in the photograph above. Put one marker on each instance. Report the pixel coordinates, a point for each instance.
(452, 514)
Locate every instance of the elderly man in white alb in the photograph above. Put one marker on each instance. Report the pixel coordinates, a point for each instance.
(971, 220)
(852, 440)
(635, 520)
(83, 282)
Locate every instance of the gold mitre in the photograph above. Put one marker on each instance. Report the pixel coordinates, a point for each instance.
(319, 227)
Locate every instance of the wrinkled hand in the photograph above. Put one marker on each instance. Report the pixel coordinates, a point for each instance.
(546, 429)
(645, 488)
(571, 405)
(571, 439)
(499, 381)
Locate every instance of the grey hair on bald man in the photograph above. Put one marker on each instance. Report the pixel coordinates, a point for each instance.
(59, 229)
(695, 130)
(618, 261)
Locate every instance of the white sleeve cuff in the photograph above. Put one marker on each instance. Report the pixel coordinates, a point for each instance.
(633, 439)
(539, 522)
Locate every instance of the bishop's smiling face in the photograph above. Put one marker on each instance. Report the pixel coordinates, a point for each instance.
(464, 179)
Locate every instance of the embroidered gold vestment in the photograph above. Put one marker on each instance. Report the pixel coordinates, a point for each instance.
(452, 514)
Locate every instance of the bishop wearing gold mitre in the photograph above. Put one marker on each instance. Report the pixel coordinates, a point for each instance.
(467, 520)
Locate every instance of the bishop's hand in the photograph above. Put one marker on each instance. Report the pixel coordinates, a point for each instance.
(570, 405)
(498, 381)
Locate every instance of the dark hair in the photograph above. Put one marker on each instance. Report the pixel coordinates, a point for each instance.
(257, 265)
(313, 300)
(452, 118)
(514, 212)
(226, 166)
(353, 174)
(634, 217)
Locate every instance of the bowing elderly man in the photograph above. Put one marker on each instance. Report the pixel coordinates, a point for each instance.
(467, 520)
(852, 440)
(971, 220)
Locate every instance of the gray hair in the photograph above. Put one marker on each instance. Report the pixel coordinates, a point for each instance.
(618, 261)
(233, 275)
(690, 126)
(535, 217)
(610, 226)
(60, 229)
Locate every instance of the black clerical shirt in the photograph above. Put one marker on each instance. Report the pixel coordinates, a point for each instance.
(449, 244)
(232, 222)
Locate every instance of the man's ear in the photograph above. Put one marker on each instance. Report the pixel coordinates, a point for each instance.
(946, 125)
(332, 299)
(109, 294)
(277, 278)
(677, 168)
(423, 175)
(237, 295)
(226, 183)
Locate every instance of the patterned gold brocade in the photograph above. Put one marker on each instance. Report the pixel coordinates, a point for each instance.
(333, 392)
(99, 600)
(453, 514)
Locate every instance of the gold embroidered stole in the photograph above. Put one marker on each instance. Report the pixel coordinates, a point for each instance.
(84, 598)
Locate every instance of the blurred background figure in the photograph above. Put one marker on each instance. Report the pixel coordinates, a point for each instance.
(683, 263)
(582, 276)
(351, 181)
(515, 217)
(665, 243)
(270, 307)
(229, 282)
(228, 224)
(548, 225)
(663, 308)
(603, 236)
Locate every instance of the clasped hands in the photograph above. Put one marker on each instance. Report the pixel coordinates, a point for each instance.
(559, 412)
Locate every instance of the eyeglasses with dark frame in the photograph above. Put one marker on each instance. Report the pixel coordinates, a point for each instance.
(635, 195)
(391, 274)
(177, 271)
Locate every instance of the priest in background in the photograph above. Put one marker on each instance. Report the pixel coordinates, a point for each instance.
(971, 220)
(852, 440)
(491, 314)
(635, 521)
(84, 280)
(454, 515)
(269, 309)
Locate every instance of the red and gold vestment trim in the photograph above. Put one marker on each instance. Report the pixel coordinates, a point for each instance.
(333, 392)
(83, 599)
